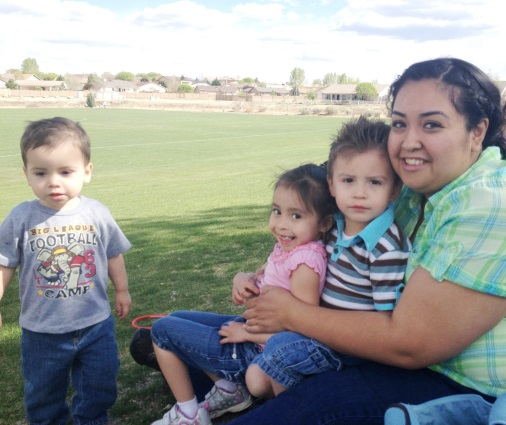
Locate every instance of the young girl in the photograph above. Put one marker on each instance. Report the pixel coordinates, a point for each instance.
(302, 209)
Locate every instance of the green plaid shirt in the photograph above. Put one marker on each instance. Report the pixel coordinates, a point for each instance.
(463, 240)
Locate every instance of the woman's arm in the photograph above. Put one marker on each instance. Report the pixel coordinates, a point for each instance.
(433, 321)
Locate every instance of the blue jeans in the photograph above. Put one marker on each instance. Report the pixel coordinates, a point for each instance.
(289, 357)
(193, 337)
(355, 395)
(89, 355)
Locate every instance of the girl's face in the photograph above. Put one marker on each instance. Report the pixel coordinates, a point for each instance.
(291, 223)
(363, 184)
(57, 175)
(429, 145)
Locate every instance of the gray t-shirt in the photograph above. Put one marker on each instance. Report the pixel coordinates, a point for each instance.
(62, 258)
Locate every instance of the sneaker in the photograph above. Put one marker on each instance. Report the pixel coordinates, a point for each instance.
(175, 417)
(219, 401)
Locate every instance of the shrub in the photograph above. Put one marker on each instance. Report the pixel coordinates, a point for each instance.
(90, 100)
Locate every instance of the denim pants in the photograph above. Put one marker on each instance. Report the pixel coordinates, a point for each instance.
(355, 395)
(193, 337)
(289, 357)
(89, 355)
(468, 409)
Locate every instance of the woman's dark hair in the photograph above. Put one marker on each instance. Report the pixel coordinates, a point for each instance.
(309, 181)
(473, 94)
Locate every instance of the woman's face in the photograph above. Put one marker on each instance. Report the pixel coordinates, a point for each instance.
(429, 145)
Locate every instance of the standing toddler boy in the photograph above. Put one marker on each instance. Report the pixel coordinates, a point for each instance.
(66, 247)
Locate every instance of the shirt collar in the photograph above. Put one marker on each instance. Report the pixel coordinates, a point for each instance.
(371, 234)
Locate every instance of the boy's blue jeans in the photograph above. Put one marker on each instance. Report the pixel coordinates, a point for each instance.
(193, 337)
(89, 355)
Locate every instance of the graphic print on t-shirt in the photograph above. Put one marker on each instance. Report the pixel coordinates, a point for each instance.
(65, 267)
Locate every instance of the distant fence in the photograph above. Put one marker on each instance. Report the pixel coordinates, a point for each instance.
(75, 94)
(267, 98)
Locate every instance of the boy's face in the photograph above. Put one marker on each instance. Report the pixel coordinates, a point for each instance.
(363, 185)
(57, 174)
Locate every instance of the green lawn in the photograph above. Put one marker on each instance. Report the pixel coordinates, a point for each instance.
(191, 191)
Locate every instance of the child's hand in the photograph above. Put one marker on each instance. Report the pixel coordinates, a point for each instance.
(244, 287)
(233, 332)
(123, 302)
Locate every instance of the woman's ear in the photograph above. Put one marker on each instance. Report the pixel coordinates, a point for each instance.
(478, 135)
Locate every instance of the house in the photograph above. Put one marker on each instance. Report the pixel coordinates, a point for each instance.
(228, 90)
(337, 92)
(346, 92)
(264, 91)
(120, 86)
(149, 87)
(224, 81)
(32, 82)
(115, 89)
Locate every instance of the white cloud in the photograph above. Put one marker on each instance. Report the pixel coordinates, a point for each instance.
(368, 39)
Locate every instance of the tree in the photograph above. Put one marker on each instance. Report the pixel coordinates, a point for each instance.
(185, 88)
(297, 78)
(247, 80)
(18, 75)
(91, 83)
(216, 82)
(311, 95)
(365, 91)
(29, 66)
(344, 79)
(125, 76)
(11, 84)
(317, 82)
(51, 76)
(90, 100)
(107, 76)
(330, 78)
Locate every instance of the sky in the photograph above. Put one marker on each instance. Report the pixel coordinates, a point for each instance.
(370, 40)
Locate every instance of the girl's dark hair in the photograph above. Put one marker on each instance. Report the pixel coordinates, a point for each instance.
(309, 181)
(473, 94)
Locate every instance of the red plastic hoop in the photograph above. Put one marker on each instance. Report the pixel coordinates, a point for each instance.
(135, 322)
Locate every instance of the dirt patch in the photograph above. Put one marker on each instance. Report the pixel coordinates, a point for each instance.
(268, 108)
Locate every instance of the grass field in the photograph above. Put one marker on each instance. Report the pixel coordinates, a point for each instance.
(191, 191)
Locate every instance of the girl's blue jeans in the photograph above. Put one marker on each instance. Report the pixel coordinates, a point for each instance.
(89, 355)
(193, 337)
(289, 358)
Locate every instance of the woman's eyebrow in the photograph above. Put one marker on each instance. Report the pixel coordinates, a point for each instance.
(423, 114)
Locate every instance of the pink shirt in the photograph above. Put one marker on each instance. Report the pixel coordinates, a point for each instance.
(281, 264)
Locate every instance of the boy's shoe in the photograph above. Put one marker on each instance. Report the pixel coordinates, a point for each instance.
(175, 417)
(451, 410)
(218, 402)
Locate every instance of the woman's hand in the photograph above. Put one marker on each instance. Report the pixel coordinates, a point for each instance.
(270, 312)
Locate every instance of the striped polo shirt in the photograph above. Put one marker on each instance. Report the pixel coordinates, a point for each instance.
(463, 240)
(366, 271)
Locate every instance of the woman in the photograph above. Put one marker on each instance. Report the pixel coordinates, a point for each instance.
(447, 334)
